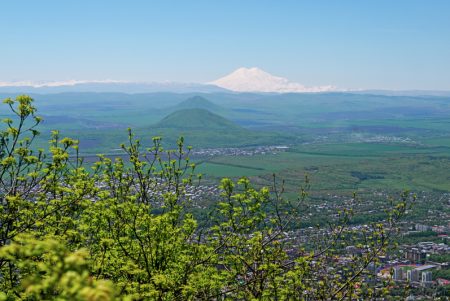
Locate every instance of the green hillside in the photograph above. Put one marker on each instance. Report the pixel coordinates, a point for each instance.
(203, 128)
(201, 119)
(199, 102)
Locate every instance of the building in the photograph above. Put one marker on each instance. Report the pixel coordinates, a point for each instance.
(438, 229)
(422, 228)
(414, 255)
(425, 268)
(399, 274)
(443, 282)
(412, 275)
(427, 279)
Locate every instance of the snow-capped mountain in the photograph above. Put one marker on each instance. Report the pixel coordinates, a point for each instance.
(257, 80)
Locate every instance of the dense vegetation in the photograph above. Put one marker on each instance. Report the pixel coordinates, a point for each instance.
(123, 229)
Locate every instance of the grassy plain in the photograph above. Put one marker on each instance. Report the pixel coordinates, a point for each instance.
(344, 167)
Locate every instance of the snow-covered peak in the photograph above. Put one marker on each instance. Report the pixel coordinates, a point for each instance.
(257, 80)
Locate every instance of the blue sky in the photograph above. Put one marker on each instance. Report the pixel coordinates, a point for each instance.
(401, 44)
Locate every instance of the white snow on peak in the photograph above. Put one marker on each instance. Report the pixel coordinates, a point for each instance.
(257, 80)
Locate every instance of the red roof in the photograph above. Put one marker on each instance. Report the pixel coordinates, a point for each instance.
(443, 281)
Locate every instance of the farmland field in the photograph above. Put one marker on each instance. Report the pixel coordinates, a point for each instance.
(343, 167)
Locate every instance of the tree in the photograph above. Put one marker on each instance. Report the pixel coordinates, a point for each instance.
(124, 229)
(49, 271)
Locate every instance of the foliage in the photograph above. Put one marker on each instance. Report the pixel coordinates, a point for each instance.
(66, 273)
(124, 229)
(442, 273)
(439, 258)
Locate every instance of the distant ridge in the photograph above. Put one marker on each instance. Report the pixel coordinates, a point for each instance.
(106, 86)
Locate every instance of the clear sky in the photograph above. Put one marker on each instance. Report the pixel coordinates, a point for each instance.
(390, 44)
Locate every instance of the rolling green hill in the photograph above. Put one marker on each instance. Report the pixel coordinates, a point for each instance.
(199, 102)
(201, 119)
(203, 128)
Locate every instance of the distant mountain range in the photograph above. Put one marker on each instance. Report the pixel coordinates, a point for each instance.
(107, 86)
(242, 80)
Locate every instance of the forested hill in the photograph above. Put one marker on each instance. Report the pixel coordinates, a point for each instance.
(197, 119)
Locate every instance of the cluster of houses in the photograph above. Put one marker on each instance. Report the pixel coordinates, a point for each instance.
(414, 274)
(416, 268)
(259, 150)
